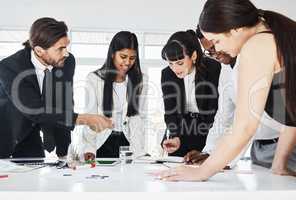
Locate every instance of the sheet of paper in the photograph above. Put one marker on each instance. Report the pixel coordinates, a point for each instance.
(170, 159)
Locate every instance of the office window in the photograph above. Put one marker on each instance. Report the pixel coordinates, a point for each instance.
(79, 85)
(11, 41)
(90, 44)
(13, 35)
(91, 37)
(89, 50)
(156, 125)
(153, 52)
(9, 48)
(154, 44)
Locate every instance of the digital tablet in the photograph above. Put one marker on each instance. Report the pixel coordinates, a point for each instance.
(36, 162)
(27, 161)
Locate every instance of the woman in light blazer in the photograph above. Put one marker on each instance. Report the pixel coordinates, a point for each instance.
(115, 91)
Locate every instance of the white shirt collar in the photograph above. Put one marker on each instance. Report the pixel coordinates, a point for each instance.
(121, 83)
(37, 64)
(191, 76)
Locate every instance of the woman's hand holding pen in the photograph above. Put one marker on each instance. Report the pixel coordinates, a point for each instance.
(171, 145)
(195, 157)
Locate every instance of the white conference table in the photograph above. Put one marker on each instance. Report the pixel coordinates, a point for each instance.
(245, 178)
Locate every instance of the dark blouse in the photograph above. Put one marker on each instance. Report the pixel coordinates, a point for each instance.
(276, 104)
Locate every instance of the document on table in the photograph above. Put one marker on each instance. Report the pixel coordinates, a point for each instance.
(168, 159)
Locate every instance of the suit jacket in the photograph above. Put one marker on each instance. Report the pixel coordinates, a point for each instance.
(22, 110)
(133, 129)
(174, 97)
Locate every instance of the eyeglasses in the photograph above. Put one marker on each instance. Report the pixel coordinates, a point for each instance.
(211, 52)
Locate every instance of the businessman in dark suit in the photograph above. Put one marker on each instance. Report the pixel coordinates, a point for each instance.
(36, 94)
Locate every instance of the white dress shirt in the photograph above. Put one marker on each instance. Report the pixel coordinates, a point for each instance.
(119, 101)
(39, 69)
(227, 89)
(189, 83)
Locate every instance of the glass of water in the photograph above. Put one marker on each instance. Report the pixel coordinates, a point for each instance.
(125, 154)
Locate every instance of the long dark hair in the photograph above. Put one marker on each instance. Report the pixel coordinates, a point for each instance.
(183, 43)
(222, 16)
(121, 40)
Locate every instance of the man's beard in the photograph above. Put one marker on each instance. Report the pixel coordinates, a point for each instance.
(53, 63)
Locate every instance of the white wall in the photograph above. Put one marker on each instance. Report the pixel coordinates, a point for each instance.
(104, 14)
(140, 15)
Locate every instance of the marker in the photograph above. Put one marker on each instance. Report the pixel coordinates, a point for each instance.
(3, 176)
(67, 174)
(91, 162)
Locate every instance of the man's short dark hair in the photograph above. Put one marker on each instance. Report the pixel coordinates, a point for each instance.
(199, 33)
(45, 32)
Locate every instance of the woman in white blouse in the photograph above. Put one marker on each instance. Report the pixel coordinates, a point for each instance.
(115, 91)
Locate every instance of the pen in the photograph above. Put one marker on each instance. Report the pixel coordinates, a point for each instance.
(167, 137)
(4, 176)
(167, 134)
